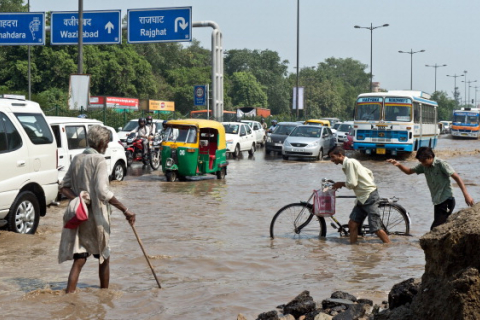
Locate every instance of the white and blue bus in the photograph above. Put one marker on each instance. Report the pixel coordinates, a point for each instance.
(394, 121)
(466, 123)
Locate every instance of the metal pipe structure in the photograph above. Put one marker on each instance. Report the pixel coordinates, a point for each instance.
(217, 68)
(298, 56)
(371, 28)
(80, 36)
(411, 53)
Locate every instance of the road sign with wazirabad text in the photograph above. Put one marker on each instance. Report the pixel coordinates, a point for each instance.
(22, 28)
(99, 27)
(159, 25)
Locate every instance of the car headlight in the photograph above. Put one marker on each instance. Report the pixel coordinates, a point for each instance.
(313, 144)
(169, 162)
(269, 139)
(286, 143)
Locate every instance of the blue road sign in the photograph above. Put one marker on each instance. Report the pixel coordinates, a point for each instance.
(99, 27)
(22, 28)
(199, 95)
(159, 25)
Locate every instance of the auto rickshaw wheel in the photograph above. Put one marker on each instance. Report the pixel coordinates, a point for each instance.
(171, 176)
(221, 173)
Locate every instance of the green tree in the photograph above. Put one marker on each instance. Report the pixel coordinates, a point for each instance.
(445, 105)
(248, 92)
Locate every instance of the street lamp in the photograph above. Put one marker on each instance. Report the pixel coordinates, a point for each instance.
(465, 72)
(455, 85)
(468, 101)
(435, 66)
(411, 53)
(371, 28)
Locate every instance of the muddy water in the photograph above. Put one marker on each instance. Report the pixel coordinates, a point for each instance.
(208, 242)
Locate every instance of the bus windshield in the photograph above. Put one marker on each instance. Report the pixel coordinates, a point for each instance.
(368, 108)
(398, 109)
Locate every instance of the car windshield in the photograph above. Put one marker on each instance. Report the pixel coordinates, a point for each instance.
(313, 132)
(231, 128)
(284, 129)
(336, 125)
(344, 127)
(131, 125)
(181, 134)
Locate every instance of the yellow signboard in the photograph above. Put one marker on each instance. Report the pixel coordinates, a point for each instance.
(157, 105)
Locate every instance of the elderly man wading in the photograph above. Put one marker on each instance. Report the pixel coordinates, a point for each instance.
(88, 172)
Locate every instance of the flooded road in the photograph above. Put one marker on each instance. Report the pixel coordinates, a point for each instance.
(208, 241)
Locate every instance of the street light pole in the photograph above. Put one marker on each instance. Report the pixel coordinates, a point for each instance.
(468, 101)
(455, 85)
(371, 28)
(411, 53)
(465, 72)
(435, 66)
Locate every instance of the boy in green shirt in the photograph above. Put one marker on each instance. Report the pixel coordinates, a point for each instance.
(438, 173)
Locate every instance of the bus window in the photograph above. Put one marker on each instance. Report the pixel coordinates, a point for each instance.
(397, 113)
(368, 111)
(472, 119)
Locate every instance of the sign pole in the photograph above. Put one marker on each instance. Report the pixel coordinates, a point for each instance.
(80, 36)
(207, 96)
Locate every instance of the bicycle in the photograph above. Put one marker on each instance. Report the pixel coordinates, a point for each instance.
(294, 219)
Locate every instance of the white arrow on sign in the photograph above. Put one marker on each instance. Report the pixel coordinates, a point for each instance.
(182, 23)
(109, 26)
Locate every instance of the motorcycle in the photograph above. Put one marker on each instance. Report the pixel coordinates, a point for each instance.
(134, 150)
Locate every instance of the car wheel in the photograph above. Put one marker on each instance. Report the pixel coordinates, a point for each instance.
(171, 176)
(129, 156)
(320, 155)
(236, 152)
(119, 171)
(252, 150)
(24, 214)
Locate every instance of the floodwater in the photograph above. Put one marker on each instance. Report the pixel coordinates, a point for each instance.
(208, 242)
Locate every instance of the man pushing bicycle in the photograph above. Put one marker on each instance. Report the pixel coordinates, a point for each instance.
(360, 180)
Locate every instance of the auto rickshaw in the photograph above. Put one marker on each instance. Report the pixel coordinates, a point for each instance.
(193, 147)
(321, 122)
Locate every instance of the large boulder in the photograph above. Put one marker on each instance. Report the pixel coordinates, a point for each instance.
(450, 287)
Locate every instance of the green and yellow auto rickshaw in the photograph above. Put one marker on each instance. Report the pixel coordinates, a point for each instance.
(193, 147)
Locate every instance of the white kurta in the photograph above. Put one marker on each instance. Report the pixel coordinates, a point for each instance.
(88, 172)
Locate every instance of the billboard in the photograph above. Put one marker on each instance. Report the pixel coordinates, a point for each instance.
(114, 102)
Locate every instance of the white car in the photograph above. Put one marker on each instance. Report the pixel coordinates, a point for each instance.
(342, 131)
(28, 162)
(240, 137)
(133, 124)
(260, 134)
(71, 137)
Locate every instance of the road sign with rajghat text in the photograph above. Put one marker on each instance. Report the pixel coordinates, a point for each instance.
(22, 28)
(99, 27)
(159, 25)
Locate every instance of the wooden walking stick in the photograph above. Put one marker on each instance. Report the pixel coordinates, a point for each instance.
(145, 254)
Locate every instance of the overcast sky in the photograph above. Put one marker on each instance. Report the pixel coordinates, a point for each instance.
(446, 29)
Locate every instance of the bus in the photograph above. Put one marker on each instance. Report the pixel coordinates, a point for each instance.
(394, 122)
(202, 114)
(465, 123)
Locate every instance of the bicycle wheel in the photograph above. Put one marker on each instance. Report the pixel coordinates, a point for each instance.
(293, 221)
(394, 219)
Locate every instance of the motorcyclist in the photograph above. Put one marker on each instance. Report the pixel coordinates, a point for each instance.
(151, 126)
(264, 124)
(143, 132)
(274, 125)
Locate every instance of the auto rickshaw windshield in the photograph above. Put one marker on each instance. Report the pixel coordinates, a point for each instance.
(185, 134)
